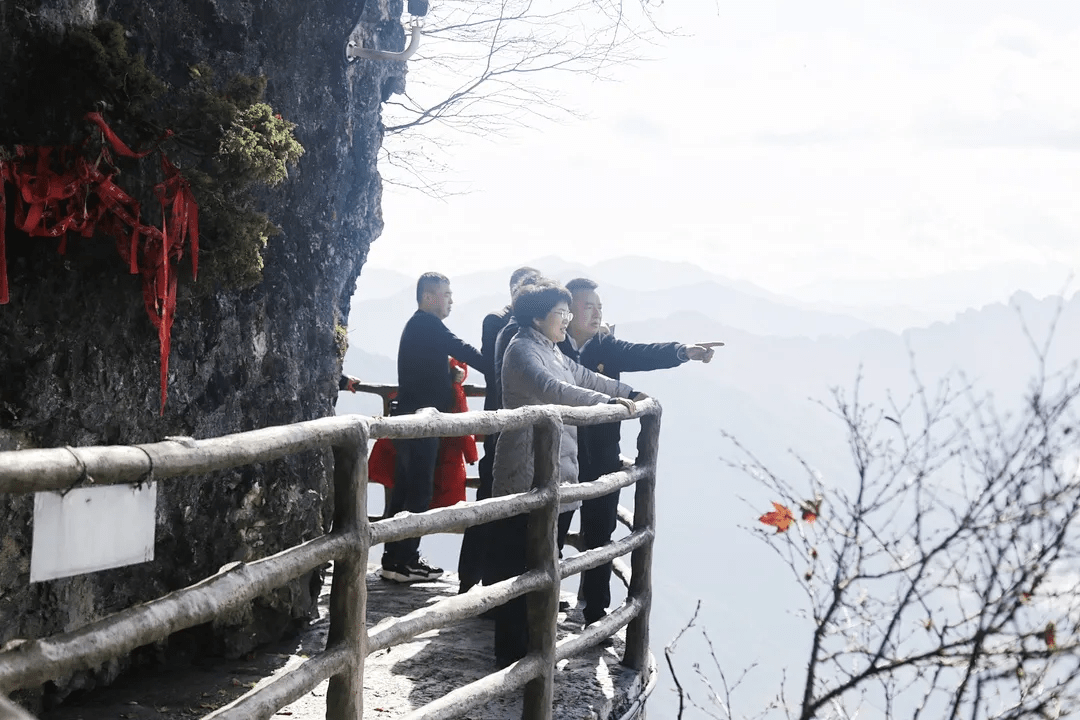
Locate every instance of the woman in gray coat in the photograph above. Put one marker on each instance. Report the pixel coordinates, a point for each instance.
(535, 372)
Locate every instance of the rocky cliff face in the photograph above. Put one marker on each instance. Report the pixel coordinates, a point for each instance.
(79, 356)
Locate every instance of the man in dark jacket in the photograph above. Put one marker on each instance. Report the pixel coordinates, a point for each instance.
(424, 380)
(598, 445)
(474, 542)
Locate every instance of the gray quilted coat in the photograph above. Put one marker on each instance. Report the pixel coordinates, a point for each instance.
(535, 372)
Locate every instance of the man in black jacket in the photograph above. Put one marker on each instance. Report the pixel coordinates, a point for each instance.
(424, 380)
(474, 542)
(598, 445)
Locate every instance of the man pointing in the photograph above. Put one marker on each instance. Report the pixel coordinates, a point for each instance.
(598, 445)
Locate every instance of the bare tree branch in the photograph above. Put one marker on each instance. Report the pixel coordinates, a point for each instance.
(940, 574)
(487, 67)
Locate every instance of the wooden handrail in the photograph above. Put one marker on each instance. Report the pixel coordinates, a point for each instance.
(286, 688)
(349, 642)
(387, 392)
(394, 631)
(59, 469)
(36, 661)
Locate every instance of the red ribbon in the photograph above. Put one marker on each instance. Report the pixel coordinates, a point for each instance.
(116, 142)
(81, 198)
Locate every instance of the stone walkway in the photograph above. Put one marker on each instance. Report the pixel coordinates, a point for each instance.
(397, 680)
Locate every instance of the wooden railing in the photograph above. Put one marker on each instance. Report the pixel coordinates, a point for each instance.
(349, 640)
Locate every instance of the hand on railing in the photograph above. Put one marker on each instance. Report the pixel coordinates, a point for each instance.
(628, 403)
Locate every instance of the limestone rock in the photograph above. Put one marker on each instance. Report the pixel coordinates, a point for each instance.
(79, 357)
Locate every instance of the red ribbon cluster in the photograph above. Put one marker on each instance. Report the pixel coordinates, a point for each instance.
(81, 197)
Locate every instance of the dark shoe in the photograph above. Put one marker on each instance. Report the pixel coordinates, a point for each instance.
(416, 571)
(564, 605)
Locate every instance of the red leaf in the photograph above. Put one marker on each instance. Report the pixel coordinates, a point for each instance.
(781, 518)
(810, 509)
(1049, 635)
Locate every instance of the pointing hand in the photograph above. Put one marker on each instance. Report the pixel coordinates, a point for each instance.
(702, 351)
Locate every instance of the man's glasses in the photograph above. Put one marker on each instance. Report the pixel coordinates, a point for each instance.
(564, 314)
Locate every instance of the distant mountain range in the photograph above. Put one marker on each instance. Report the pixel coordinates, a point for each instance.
(782, 357)
(632, 288)
(643, 288)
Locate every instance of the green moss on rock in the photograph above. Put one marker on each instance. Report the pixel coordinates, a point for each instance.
(259, 145)
(227, 141)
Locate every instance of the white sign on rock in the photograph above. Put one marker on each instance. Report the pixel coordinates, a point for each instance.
(90, 529)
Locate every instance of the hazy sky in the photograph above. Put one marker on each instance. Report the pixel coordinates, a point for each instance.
(788, 143)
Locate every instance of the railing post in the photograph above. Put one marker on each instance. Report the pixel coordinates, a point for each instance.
(637, 632)
(348, 593)
(542, 553)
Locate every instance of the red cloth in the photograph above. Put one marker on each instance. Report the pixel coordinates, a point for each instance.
(449, 481)
(380, 465)
(73, 194)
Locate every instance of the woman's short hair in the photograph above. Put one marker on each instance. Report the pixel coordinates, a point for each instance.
(533, 302)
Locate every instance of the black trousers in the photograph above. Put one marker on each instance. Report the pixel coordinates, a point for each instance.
(564, 528)
(506, 558)
(598, 519)
(414, 474)
(477, 539)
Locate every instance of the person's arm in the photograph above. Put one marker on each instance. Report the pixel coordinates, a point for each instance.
(493, 323)
(618, 355)
(501, 343)
(585, 377)
(460, 350)
(524, 367)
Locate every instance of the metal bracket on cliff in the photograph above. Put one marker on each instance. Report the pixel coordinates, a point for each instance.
(355, 51)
